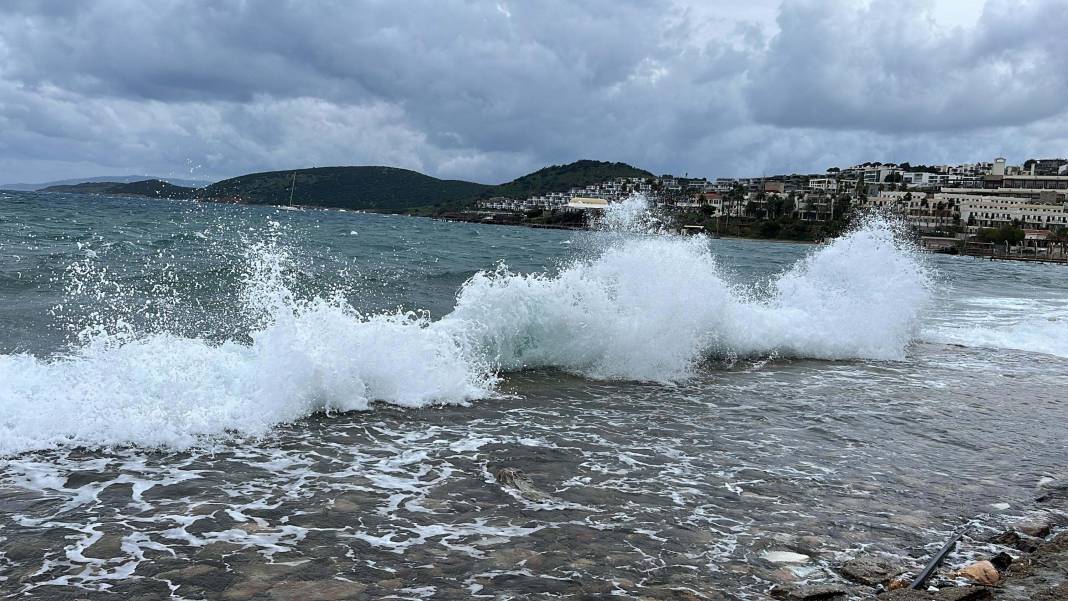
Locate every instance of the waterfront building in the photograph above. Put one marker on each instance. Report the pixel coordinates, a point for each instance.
(985, 211)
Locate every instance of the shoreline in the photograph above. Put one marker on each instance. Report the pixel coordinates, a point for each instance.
(710, 235)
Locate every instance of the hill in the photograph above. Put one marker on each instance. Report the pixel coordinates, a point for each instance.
(382, 188)
(374, 188)
(152, 187)
(82, 188)
(112, 179)
(561, 178)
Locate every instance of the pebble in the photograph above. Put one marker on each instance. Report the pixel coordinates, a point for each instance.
(870, 570)
(784, 557)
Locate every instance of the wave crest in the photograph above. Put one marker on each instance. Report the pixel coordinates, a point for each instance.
(643, 307)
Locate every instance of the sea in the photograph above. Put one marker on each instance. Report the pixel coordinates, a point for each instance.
(213, 401)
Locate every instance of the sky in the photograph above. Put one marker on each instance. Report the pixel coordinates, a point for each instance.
(488, 91)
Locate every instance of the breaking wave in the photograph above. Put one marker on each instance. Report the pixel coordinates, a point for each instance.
(644, 306)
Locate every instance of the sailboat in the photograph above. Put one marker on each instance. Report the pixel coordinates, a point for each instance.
(292, 186)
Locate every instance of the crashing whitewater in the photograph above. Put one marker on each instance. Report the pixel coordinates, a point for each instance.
(643, 306)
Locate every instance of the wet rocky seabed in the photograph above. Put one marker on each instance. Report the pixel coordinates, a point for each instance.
(743, 480)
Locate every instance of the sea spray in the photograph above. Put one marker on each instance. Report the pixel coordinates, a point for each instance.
(652, 307)
(640, 306)
(300, 356)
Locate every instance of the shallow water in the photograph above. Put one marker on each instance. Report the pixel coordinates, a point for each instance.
(660, 473)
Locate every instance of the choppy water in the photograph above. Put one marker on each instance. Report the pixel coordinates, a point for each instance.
(211, 401)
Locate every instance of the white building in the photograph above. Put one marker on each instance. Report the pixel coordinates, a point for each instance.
(823, 184)
(924, 179)
(978, 211)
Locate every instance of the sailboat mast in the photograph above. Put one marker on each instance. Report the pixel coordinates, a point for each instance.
(292, 185)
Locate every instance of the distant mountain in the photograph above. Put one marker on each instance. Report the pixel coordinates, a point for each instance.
(381, 188)
(120, 179)
(81, 188)
(152, 187)
(561, 178)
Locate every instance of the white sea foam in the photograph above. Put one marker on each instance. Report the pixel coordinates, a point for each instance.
(1032, 333)
(643, 307)
(649, 307)
(1036, 323)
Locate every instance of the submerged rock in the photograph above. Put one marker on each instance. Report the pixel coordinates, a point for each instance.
(870, 570)
(1013, 539)
(808, 592)
(203, 576)
(318, 590)
(515, 479)
(960, 593)
(1038, 524)
(108, 547)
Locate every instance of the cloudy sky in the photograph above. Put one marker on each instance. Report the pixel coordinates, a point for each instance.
(490, 90)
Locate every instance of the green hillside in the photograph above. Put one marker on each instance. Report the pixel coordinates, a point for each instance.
(561, 178)
(154, 187)
(382, 188)
(375, 188)
(151, 187)
(82, 188)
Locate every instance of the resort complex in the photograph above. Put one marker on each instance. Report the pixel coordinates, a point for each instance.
(1024, 206)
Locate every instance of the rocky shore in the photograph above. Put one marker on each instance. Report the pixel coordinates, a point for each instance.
(1011, 557)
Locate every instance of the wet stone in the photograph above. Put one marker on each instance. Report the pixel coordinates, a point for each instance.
(217, 550)
(317, 590)
(108, 547)
(870, 570)
(390, 583)
(203, 576)
(515, 479)
(1054, 493)
(1015, 540)
(79, 479)
(24, 549)
(117, 493)
(246, 589)
(808, 592)
(1038, 525)
(206, 509)
(962, 593)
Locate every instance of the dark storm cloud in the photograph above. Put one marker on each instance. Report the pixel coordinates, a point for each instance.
(489, 90)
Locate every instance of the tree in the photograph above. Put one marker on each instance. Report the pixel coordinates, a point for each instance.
(1060, 236)
(770, 229)
(1006, 233)
(751, 208)
(733, 198)
(775, 206)
(789, 205)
